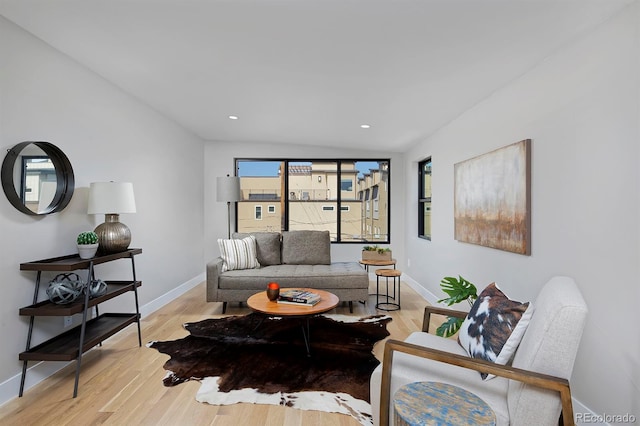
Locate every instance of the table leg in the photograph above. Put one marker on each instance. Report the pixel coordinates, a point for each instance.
(306, 334)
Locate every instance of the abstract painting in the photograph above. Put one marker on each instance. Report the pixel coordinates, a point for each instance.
(493, 199)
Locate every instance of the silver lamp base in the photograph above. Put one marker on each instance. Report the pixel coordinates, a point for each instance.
(113, 235)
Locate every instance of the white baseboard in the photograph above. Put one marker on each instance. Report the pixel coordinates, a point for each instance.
(171, 295)
(428, 296)
(40, 371)
(583, 415)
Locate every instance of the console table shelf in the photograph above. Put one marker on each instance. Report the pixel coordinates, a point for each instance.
(71, 344)
(47, 308)
(73, 262)
(64, 347)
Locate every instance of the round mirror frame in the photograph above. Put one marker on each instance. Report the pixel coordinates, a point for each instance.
(64, 177)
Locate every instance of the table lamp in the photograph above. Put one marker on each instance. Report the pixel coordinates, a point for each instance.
(112, 199)
(228, 189)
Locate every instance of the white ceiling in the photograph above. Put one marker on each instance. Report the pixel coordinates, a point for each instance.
(310, 71)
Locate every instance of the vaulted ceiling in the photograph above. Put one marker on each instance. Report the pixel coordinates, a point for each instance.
(310, 71)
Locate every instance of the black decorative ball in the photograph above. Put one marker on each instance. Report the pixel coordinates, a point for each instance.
(65, 288)
(97, 288)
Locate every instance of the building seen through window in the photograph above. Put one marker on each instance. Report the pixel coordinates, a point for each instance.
(349, 198)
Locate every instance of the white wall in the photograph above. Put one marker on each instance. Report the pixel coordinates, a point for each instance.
(107, 135)
(580, 108)
(219, 160)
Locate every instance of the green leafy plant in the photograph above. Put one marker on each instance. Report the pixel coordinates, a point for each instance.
(376, 248)
(458, 289)
(88, 237)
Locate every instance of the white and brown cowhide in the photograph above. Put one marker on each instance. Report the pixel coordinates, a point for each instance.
(494, 326)
(263, 360)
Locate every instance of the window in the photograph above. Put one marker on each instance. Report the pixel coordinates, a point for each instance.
(424, 199)
(367, 205)
(325, 194)
(376, 204)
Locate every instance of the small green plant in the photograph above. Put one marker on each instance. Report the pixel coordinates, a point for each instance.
(88, 237)
(376, 248)
(458, 289)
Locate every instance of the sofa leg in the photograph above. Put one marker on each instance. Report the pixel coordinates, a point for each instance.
(350, 306)
(224, 307)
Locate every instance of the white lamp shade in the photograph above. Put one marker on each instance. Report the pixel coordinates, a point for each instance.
(228, 188)
(111, 198)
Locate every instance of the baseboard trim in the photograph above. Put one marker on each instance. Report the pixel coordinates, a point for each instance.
(171, 295)
(582, 414)
(428, 296)
(36, 373)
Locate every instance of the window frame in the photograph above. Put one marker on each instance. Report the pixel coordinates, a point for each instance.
(423, 199)
(386, 169)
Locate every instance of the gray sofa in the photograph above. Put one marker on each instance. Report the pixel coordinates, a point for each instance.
(292, 259)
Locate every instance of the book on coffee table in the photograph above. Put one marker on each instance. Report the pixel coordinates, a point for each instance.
(299, 297)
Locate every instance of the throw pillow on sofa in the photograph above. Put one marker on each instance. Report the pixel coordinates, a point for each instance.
(494, 327)
(306, 248)
(238, 254)
(267, 246)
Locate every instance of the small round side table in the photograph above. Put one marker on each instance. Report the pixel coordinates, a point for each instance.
(367, 263)
(434, 403)
(394, 274)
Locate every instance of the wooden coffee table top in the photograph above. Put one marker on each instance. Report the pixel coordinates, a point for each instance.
(260, 303)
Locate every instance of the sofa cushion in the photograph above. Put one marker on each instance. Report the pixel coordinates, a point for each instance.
(267, 246)
(494, 327)
(306, 248)
(337, 275)
(238, 254)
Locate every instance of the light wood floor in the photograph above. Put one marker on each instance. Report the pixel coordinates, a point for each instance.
(121, 383)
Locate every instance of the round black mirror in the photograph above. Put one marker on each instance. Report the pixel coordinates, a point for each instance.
(37, 178)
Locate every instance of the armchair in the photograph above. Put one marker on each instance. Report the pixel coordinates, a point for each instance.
(533, 390)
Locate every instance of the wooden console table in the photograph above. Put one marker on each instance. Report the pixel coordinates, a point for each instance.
(71, 344)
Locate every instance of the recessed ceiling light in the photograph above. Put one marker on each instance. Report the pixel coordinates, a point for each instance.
(233, 117)
(365, 126)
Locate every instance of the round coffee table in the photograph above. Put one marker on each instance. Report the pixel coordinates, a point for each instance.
(261, 304)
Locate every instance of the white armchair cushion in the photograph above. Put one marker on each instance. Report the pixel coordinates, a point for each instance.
(494, 327)
(549, 346)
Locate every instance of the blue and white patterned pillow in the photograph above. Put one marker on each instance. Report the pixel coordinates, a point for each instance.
(494, 327)
(238, 254)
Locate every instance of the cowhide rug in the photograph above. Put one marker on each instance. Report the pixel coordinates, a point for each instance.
(263, 360)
